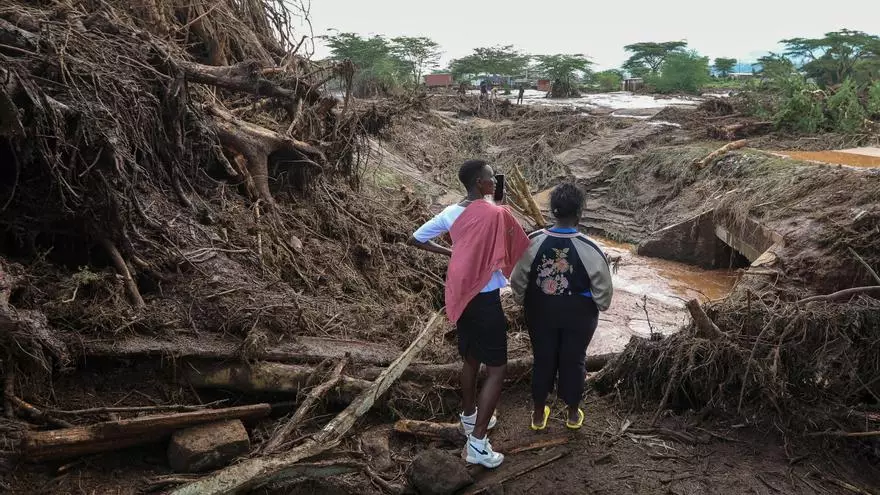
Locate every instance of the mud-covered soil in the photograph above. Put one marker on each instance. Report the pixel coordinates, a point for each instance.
(725, 456)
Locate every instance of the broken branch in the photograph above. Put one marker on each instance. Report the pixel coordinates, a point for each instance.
(283, 434)
(122, 269)
(711, 157)
(706, 328)
(842, 294)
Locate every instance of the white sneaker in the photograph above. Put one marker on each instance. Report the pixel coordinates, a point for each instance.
(468, 423)
(479, 451)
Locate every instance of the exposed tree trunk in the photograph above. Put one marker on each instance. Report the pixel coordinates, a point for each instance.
(298, 350)
(245, 77)
(256, 143)
(113, 435)
(265, 377)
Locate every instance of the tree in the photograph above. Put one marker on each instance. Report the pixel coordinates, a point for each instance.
(563, 70)
(874, 99)
(838, 55)
(845, 110)
(648, 57)
(419, 55)
(774, 66)
(497, 60)
(682, 71)
(725, 66)
(608, 80)
(379, 71)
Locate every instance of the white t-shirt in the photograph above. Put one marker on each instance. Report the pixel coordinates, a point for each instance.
(440, 225)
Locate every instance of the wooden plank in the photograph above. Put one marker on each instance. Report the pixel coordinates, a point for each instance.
(112, 435)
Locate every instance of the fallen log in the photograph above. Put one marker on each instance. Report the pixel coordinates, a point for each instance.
(298, 350)
(450, 373)
(706, 328)
(711, 157)
(257, 472)
(451, 432)
(264, 377)
(114, 435)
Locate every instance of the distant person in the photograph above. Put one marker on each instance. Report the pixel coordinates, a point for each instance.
(487, 242)
(462, 90)
(494, 92)
(484, 90)
(519, 97)
(563, 281)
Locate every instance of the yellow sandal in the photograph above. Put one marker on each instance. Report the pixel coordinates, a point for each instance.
(576, 426)
(544, 424)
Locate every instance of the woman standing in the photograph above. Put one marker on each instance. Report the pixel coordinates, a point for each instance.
(563, 281)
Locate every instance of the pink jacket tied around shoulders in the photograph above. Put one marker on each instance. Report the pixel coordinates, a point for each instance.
(485, 238)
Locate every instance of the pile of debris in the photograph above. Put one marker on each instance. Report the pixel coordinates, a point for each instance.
(177, 184)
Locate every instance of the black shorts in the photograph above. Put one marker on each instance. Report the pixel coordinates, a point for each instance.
(482, 330)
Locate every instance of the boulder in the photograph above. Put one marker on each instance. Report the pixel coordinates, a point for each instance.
(208, 446)
(435, 472)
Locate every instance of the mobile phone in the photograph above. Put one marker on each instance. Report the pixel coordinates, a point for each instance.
(499, 187)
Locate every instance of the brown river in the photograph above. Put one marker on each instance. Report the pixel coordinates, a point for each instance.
(649, 295)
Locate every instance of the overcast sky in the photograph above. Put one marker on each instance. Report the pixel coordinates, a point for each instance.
(742, 29)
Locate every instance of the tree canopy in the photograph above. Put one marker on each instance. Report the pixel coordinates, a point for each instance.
(378, 70)
(838, 55)
(495, 60)
(561, 66)
(724, 66)
(419, 54)
(607, 80)
(648, 57)
(563, 70)
(682, 71)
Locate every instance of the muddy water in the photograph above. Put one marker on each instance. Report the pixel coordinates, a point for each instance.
(649, 295)
(858, 157)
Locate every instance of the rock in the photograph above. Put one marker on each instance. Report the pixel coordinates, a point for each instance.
(209, 446)
(295, 244)
(435, 472)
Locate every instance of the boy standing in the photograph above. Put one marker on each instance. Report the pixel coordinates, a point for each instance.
(487, 243)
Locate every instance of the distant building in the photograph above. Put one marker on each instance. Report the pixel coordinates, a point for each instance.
(544, 84)
(633, 84)
(439, 80)
(741, 75)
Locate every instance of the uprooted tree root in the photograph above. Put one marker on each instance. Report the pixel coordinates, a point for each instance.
(810, 368)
